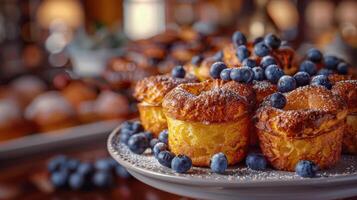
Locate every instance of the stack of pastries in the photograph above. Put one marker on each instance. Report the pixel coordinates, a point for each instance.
(255, 93)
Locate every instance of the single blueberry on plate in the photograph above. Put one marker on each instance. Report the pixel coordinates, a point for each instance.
(216, 69)
(309, 67)
(102, 179)
(165, 158)
(226, 74)
(219, 163)
(302, 78)
(160, 146)
(342, 68)
(277, 100)
(242, 74)
(196, 60)
(178, 72)
(76, 181)
(249, 63)
(258, 73)
(59, 179)
(148, 135)
(181, 163)
(286, 83)
(266, 61)
(324, 71)
(314, 55)
(242, 52)
(331, 62)
(125, 134)
(256, 161)
(138, 143)
(261, 49)
(153, 142)
(164, 136)
(321, 80)
(238, 39)
(273, 73)
(272, 41)
(306, 168)
(137, 127)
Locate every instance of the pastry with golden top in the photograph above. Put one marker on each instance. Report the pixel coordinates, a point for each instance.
(150, 92)
(309, 127)
(209, 117)
(77, 92)
(110, 105)
(348, 91)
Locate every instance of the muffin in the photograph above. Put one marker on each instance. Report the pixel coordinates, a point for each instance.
(348, 91)
(309, 127)
(51, 111)
(150, 93)
(111, 105)
(77, 92)
(209, 117)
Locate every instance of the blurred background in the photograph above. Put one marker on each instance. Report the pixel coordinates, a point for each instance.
(67, 68)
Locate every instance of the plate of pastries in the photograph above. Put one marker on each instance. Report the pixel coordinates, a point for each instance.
(255, 120)
(35, 113)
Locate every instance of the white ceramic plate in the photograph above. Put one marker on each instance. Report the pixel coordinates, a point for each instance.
(55, 139)
(239, 182)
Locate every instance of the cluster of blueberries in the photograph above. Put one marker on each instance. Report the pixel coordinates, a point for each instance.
(137, 140)
(70, 173)
(268, 68)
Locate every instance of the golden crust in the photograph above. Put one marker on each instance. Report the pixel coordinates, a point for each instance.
(212, 101)
(153, 89)
(152, 118)
(348, 91)
(335, 78)
(308, 112)
(263, 89)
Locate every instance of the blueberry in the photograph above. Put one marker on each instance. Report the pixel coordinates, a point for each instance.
(153, 142)
(126, 125)
(59, 179)
(181, 163)
(216, 69)
(331, 62)
(342, 68)
(258, 73)
(239, 38)
(196, 60)
(122, 172)
(277, 100)
(138, 143)
(256, 161)
(272, 41)
(286, 84)
(76, 181)
(125, 134)
(242, 52)
(160, 146)
(103, 165)
(257, 40)
(261, 49)
(324, 71)
(178, 72)
(56, 163)
(306, 168)
(302, 78)
(226, 74)
(266, 61)
(218, 56)
(85, 169)
(314, 55)
(273, 73)
(164, 136)
(148, 135)
(242, 74)
(137, 127)
(72, 164)
(249, 63)
(165, 158)
(102, 179)
(309, 67)
(219, 163)
(321, 80)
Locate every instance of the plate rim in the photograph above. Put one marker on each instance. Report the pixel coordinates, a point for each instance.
(304, 182)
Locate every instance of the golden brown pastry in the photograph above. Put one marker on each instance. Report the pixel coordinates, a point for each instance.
(77, 92)
(111, 105)
(150, 93)
(309, 127)
(348, 91)
(209, 117)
